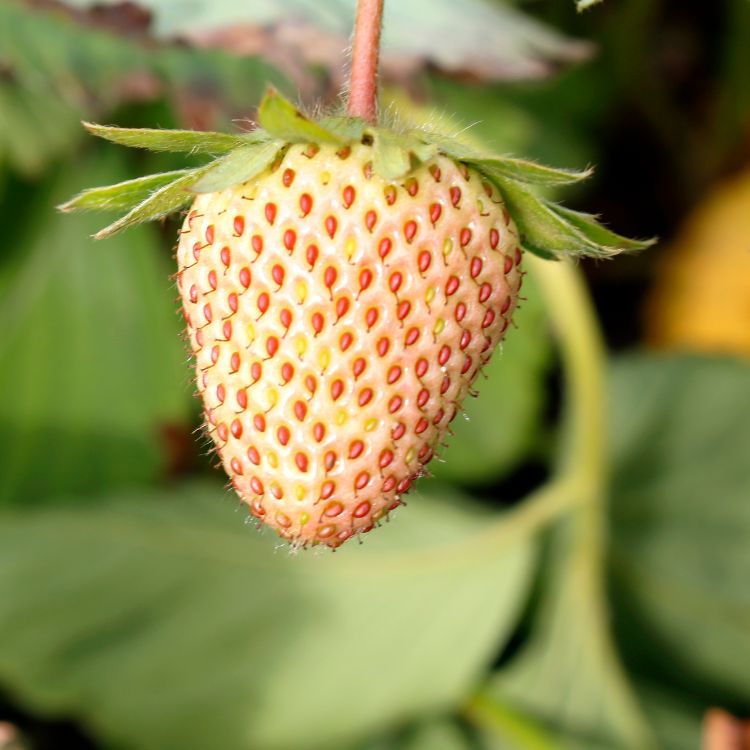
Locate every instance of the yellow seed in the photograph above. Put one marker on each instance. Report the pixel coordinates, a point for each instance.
(447, 246)
(438, 327)
(303, 518)
(325, 177)
(341, 417)
(371, 424)
(324, 358)
(299, 491)
(300, 344)
(350, 247)
(429, 295)
(273, 460)
(250, 332)
(272, 396)
(480, 205)
(301, 291)
(410, 455)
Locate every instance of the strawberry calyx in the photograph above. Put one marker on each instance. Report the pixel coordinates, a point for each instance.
(547, 229)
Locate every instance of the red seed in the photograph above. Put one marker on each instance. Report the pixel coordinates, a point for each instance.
(384, 247)
(256, 370)
(301, 460)
(236, 428)
(383, 345)
(287, 372)
(435, 210)
(356, 449)
(394, 282)
(242, 399)
(455, 195)
(403, 309)
(394, 374)
(285, 316)
(317, 322)
(283, 434)
(253, 455)
(329, 460)
(475, 267)
(365, 396)
(398, 431)
(419, 429)
(288, 177)
(465, 236)
(305, 204)
(460, 312)
(270, 212)
(451, 286)
(489, 316)
(331, 226)
(346, 341)
(245, 277)
(226, 329)
(337, 388)
(362, 510)
(257, 243)
(348, 196)
(424, 261)
(370, 219)
(410, 231)
(390, 194)
(234, 362)
(411, 336)
(395, 404)
(494, 238)
(412, 186)
(362, 480)
(263, 301)
(485, 291)
(386, 457)
(311, 383)
(222, 432)
(259, 421)
(465, 339)
(272, 345)
(300, 410)
(467, 365)
(371, 317)
(210, 234)
(327, 489)
(333, 509)
(225, 256)
(257, 486)
(358, 367)
(329, 276)
(319, 431)
(277, 274)
(233, 302)
(505, 306)
(220, 393)
(342, 305)
(421, 367)
(311, 254)
(239, 225)
(365, 279)
(290, 239)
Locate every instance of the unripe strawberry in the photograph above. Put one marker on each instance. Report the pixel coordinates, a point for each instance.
(337, 321)
(343, 284)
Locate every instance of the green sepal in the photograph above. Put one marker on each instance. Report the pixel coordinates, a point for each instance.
(237, 167)
(351, 129)
(123, 195)
(395, 153)
(279, 117)
(160, 203)
(553, 232)
(528, 172)
(178, 141)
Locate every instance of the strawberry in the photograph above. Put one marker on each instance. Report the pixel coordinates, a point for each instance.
(343, 284)
(337, 321)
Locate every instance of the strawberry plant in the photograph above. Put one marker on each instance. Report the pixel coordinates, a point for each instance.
(369, 295)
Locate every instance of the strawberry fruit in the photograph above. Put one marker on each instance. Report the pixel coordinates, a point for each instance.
(343, 284)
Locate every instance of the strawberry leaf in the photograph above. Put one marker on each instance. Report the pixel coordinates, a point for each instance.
(284, 121)
(237, 167)
(180, 141)
(348, 128)
(123, 195)
(553, 232)
(393, 152)
(166, 200)
(528, 172)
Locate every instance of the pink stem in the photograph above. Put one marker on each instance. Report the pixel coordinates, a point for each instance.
(363, 83)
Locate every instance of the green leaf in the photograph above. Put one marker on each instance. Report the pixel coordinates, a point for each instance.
(91, 360)
(237, 167)
(284, 121)
(504, 421)
(348, 128)
(586, 4)
(393, 152)
(567, 677)
(123, 195)
(681, 520)
(528, 172)
(595, 232)
(552, 232)
(147, 609)
(160, 203)
(180, 141)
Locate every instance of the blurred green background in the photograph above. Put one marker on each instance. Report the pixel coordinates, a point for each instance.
(138, 611)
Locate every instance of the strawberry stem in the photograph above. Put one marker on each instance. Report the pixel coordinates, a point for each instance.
(363, 80)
